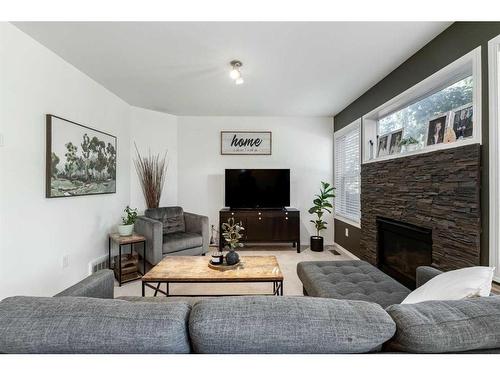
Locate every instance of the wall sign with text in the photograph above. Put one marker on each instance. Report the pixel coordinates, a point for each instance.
(245, 143)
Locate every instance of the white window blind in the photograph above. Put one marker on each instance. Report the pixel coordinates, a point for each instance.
(347, 172)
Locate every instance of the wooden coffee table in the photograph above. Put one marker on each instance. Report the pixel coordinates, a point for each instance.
(193, 269)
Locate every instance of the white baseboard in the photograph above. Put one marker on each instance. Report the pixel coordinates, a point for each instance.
(346, 252)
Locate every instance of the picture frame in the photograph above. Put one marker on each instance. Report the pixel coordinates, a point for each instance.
(245, 142)
(463, 121)
(395, 138)
(79, 160)
(436, 129)
(383, 145)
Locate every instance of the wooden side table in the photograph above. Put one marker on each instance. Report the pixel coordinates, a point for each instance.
(128, 240)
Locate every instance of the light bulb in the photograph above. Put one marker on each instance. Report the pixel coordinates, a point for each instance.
(239, 81)
(235, 73)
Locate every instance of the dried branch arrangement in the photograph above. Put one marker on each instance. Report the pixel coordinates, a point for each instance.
(151, 170)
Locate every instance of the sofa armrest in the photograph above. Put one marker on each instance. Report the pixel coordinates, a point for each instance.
(153, 231)
(198, 224)
(425, 273)
(98, 285)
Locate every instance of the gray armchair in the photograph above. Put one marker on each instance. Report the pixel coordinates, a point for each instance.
(171, 231)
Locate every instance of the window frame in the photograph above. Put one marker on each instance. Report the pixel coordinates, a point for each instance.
(346, 129)
(494, 154)
(467, 65)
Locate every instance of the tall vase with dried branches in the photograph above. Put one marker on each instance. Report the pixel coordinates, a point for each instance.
(152, 170)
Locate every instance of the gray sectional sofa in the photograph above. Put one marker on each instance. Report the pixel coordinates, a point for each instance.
(86, 319)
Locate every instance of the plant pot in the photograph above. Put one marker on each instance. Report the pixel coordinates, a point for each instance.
(316, 243)
(125, 230)
(232, 257)
(411, 147)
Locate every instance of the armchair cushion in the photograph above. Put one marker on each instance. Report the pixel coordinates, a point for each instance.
(181, 241)
(172, 218)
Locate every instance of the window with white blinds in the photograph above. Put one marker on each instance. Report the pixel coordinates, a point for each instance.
(347, 172)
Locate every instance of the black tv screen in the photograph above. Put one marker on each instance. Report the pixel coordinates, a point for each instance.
(257, 188)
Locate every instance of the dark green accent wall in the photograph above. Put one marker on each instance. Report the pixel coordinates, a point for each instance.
(350, 242)
(457, 40)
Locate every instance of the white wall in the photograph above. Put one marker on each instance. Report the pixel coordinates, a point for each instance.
(156, 132)
(303, 144)
(36, 232)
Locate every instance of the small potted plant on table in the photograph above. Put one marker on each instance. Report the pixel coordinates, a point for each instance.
(127, 226)
(321, 204)
(232, 236)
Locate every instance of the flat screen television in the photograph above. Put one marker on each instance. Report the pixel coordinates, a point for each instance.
(257, 188)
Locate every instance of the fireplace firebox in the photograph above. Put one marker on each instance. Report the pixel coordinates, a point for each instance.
(402, 247)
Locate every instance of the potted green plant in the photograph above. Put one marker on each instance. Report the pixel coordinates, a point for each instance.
(321, 204)
(232, 236)
(127, 226)
(408, 144)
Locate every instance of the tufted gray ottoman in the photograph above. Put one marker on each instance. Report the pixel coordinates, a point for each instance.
(351, 280)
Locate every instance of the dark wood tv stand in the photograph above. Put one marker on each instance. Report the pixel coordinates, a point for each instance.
(266, 226)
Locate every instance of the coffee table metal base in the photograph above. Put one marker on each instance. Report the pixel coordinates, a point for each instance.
(277, 288)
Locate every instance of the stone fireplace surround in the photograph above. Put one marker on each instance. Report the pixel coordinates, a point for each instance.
(439, 190)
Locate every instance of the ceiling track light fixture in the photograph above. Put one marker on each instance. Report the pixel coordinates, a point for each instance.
(235, 72)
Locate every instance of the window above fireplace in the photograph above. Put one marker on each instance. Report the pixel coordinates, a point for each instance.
(440, 112)
(414, 119)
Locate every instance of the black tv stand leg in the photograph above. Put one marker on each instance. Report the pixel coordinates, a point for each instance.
(297, 244)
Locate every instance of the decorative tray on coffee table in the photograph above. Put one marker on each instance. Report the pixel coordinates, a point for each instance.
(224, 266)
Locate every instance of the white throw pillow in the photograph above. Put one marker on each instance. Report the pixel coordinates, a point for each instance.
(454, 285)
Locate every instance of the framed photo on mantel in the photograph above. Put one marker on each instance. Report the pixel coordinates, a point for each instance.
(246, 143)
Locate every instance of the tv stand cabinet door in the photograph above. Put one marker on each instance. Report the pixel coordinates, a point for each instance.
(285, 228)
(259, 227)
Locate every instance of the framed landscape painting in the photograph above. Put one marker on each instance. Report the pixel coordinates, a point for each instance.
(79, 160)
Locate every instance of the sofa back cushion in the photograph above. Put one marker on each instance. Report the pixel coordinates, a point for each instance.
(91, 325)
(446, 326)
(288, 325)
(172, 218)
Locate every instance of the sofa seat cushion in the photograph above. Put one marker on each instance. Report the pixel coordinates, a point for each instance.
(83, 325)
(287, 325)
(352, 280)
(172, 218)
(181, 241)
(446, 326)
